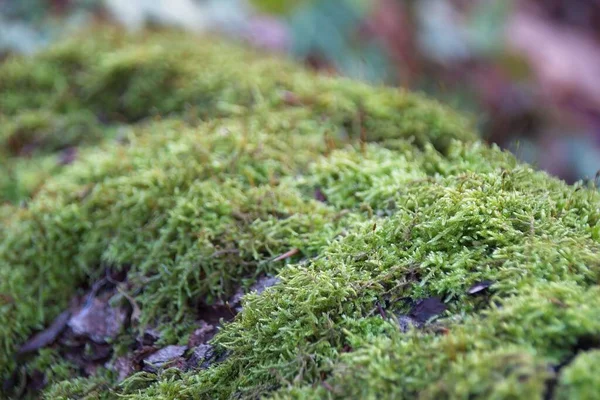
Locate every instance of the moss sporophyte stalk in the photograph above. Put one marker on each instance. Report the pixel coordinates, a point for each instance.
(151, 180)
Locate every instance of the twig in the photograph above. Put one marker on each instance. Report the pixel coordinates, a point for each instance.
(285, 255)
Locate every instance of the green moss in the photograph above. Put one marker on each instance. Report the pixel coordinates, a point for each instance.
(94, 388)
(199, 163)
(76, 93)
(579, 379)
(506, 352)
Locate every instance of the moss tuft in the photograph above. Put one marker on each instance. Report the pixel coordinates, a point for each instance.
(200, 167)
(579, 379)
(80, 91)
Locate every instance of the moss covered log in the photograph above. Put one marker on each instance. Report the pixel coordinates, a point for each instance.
(411, 260)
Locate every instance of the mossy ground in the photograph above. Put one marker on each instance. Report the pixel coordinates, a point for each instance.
(199, 163)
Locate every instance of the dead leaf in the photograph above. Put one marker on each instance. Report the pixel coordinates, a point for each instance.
(320, 196)
(214, 313)
(406, 323)
(98, 320)
(264, 283)
(124, 367)
(47, 336)
(149, 337)
(164, 357)
(201, 357)
(291, 99)
(428, 308)
(68, 156)
(98, 352)
(140, 354)
(36, 381)
(202, 334)
(479, 287)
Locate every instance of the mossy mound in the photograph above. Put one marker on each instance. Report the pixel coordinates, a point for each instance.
(81, 91)
(412, 261)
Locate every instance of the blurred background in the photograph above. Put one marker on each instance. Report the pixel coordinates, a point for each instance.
(528, 71)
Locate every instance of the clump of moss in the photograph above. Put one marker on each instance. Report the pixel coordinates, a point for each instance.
(579, 380)
(363, 201)
(79, 92)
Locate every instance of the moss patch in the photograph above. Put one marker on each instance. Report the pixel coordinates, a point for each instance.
(81, 91)
(200, 167)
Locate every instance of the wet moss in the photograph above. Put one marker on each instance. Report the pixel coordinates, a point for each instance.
(198, 164)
